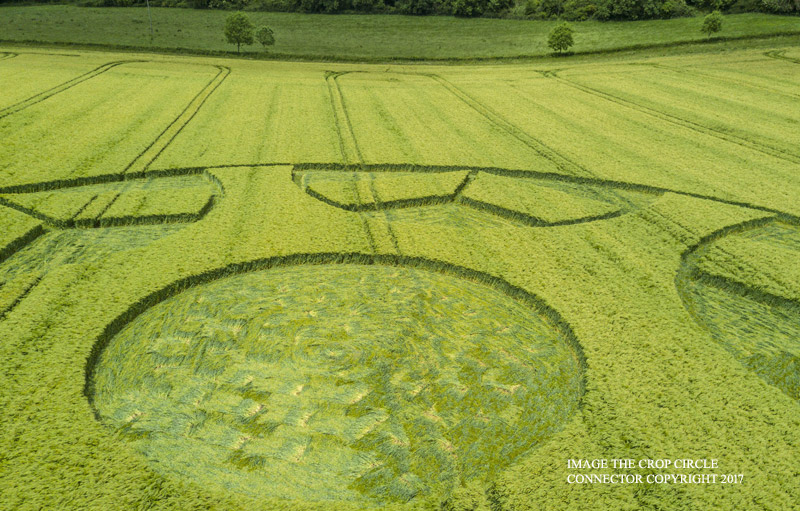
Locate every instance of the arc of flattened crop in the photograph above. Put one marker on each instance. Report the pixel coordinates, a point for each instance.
(780, 54)
(674, 119)
(146, 302)
(695, 72)
(38, 98)
(738, 288)
(143, 161)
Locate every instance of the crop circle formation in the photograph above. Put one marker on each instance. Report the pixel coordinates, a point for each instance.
(337, 382)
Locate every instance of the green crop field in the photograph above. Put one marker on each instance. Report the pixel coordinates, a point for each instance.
(234, 284)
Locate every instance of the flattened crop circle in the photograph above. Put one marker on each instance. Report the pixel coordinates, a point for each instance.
(337, 382)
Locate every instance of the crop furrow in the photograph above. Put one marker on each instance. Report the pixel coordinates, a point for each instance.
(737, 83)
(560, 161)
(18, 299)
(673, 119)
(143, 161)
(85, 205)
(38, 98)
(344, 130)
(780, 56)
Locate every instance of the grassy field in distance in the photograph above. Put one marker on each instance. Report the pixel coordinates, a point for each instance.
(342, 36)
(237, 284)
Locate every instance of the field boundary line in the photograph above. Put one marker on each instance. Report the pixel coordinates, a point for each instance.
(38, 98)
(146, 301)
(679, 121)
(144, 159)
(560, 161)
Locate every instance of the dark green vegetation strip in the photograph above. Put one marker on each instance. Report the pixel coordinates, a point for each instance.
(350, 38)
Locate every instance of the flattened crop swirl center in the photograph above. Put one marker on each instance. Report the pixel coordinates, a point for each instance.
(337, 382)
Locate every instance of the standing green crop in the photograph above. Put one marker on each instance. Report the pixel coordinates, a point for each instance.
(238, 30)
(560, 38)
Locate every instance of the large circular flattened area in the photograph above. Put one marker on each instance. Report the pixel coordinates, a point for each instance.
(337, 382)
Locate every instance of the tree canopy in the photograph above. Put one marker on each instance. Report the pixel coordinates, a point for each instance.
(238, 30)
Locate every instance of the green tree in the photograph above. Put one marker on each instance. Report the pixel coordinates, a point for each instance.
(712, 23)
(238, 29)
(265, 36)
(560, 38)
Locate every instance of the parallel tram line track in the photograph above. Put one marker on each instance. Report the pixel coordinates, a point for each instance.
(348, 144)
(679, 121)
(695, 72)
(144, 159)
(559, 160)
(38, 98)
